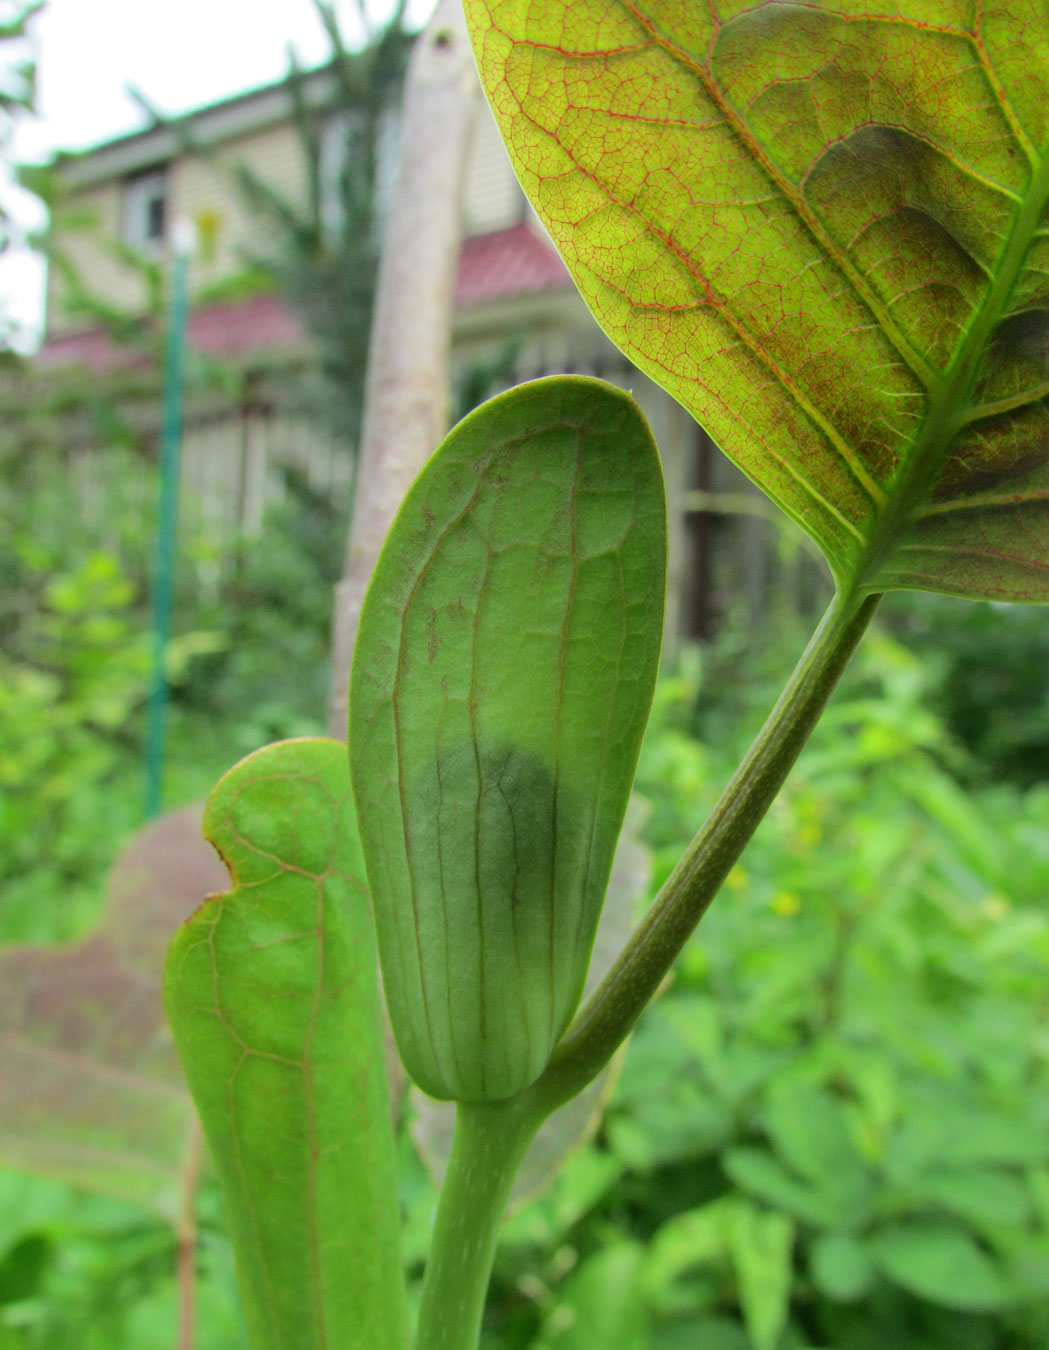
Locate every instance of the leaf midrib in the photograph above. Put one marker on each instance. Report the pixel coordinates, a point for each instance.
(912, 358)
(950, 406)
(949, 393)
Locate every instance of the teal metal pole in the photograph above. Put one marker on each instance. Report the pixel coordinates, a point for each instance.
(167, 527)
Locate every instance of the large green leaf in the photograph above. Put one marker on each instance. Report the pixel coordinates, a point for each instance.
(761, 1245)
(809, 1132)
(840, 1266)
(601, 1304)
(822, 227)
(502, 678)
(942, 1263)
(758, 1244)
(758, 1172)
(272, 994)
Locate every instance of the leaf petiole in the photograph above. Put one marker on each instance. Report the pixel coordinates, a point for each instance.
(606, 1020)
(490, 1141)
(491, 1138)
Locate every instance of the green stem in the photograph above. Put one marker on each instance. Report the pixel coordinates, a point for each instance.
(490, 1140)
(606, 1020)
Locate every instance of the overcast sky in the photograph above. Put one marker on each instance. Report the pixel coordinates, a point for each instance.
(180, 53)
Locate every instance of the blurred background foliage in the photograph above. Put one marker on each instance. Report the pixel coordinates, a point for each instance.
(74, 670)
(831, 1132)
(832, 1129)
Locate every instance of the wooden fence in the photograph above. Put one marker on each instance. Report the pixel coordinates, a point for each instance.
(238, 456)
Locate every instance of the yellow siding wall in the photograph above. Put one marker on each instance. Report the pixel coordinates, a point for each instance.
(202, 191)
(492, 199)
(199, 190)
(95, 216)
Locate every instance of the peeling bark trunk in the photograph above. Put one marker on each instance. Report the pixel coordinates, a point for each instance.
(406, 390)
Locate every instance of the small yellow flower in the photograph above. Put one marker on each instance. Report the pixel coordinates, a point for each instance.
(786, 903)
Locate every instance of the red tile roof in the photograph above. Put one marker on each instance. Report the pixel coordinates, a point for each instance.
(92, 349)
(246, 325)
(517, 261)
(260, 322)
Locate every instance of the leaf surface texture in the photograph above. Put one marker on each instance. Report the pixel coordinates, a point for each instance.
(822, 227)
(272, 993)
(501, 684)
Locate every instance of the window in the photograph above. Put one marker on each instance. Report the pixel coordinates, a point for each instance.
(145, 211)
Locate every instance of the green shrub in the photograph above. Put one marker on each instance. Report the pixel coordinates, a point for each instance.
(832, 1129)
(71, 683)
(989, 683)
(833, 1122)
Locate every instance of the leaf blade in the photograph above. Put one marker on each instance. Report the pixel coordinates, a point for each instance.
(941, 1262)
(822, 230)
(761, 1244)
(569, 1127)
(501, 682)
(272, 995)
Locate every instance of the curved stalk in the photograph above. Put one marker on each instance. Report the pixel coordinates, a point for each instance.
(491, 1138)
(606, 1020)
(490, 1141)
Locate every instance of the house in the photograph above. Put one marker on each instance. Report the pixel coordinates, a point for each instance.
(118, 205)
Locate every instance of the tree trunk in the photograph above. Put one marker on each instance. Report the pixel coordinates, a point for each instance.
(406, 390)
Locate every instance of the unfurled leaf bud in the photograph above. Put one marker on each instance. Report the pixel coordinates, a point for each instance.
(502, 678)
